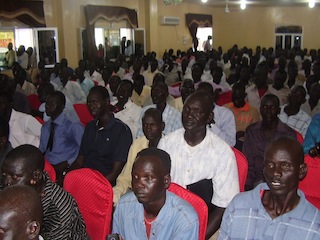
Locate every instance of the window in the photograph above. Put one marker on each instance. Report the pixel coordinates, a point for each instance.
(288, 37)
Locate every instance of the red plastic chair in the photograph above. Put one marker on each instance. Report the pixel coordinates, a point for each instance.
(197, 203)
(83, 113)
(299, 137)
(34, 101)
(50, 170)
(94, 196)
(310, 184)
(242, 164)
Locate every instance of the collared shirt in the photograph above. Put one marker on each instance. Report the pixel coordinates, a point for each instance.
(170, 116)
(148, 76)
(299, 122)
(313, 134)
(178, 104)
(244, 116)
(130, 115)
(144, 99)
(97, 77)
(61, 216)
(24, 129)
(103, 146)
(224, 121)
(86, 85)
(66, 140)
(73, 91)
(176, 220)
(124, 179)
(254, 145)
(210, 159)
(28, 88)
(246, 218)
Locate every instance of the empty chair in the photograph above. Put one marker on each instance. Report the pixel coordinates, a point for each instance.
(197, 203)
(94, 196)
(242, 164)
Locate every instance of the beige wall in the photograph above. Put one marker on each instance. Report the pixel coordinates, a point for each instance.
(254, 26)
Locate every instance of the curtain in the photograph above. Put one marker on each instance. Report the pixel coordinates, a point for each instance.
(111, 14)
(197, 20)
(29, 13)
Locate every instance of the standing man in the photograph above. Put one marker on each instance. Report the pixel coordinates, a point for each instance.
(201, 161)
(10, 55)
(106, 140)
(275, 209)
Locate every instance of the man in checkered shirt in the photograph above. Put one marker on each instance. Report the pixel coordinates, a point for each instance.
(275, 209)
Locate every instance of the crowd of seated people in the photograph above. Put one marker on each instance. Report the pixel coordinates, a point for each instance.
(195, 106)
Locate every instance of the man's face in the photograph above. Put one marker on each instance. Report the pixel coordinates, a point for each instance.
(186, 89)
(14, 172)
(196, 73)
(238, 97)
(195, 113)
(123, 92)
(148, 182)
(114, 84)
(11, 226)
(282, 170)
(152, 128)
(97, 106)
(296, 97)
(53, 106)
(159, 93)
(269, 110)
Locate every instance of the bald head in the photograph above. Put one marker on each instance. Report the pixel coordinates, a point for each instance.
(20, 212)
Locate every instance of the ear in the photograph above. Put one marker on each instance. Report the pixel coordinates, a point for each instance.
(37, 175)
(33, 229)
(303, 171)
(210, 117)
(163, 126)
(167, 181)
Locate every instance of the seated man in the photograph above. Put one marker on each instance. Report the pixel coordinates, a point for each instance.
(201, 161)
(292, 114)
(127, 111)
(24, 129)
(311, 143)
(106, 140)
(60, 138)
(20, 213)
(170, 115)
(244, 113)
(61, 216)
(151, 210)
(259, 134)
(142, 93)
(186, 89)
(275, 209)
(152, 126)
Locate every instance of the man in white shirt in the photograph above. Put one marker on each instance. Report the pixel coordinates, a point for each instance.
(201, 161)
(24, 129)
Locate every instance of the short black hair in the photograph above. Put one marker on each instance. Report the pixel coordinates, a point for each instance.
(154, 112)
(60, 96)
(205, 96)
(272, 97)
(31, 155)
(163, 156)
(127, 82)
(102, 91)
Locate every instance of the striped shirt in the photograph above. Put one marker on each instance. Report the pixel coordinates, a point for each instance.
(61, 216)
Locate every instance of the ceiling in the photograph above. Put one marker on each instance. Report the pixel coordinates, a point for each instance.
(255, 2)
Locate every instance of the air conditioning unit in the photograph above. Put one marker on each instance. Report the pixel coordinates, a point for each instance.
(166, 20)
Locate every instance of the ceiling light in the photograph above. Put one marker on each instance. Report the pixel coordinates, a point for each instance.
(312, 3)
(243, 4)
(204, 1)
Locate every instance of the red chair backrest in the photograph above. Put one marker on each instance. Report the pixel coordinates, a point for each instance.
(242, 164)
(310, 184)
(197, 203)
(224, 98)
(94, 196)
(299, 137)
(83, 113)
(34, 101)
(50, 170)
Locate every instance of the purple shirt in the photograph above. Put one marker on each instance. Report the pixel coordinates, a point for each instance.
(253, 148)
